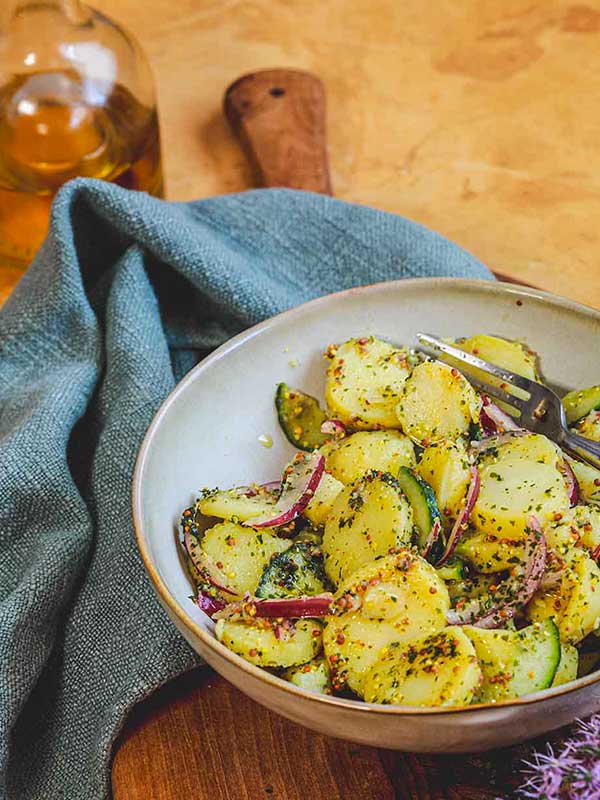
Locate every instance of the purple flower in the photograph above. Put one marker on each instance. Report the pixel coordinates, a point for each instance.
(573, 773)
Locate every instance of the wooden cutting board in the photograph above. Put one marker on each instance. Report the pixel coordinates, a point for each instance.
(279, 118)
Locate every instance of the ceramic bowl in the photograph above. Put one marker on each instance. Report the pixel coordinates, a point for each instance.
(206, 434)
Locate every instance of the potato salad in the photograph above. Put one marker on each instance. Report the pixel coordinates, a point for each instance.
(420, 548)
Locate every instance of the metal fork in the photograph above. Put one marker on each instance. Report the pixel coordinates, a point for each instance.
(539, 408)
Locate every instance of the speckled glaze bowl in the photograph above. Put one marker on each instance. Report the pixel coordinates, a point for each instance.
(206, 433)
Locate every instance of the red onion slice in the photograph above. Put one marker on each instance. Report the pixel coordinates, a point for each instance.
(334, 427)
(462, 521)
(434, 535)
(513, 594)
(318, 605)
(570, 480)
(495, 421)
(298, 487)
(209, 604)
(272, 487)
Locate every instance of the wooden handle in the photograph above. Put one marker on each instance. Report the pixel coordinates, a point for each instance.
(279, 116)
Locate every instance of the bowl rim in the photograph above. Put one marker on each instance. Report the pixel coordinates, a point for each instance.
(207, 639)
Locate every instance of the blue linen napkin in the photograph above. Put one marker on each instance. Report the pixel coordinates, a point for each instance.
(125, 296)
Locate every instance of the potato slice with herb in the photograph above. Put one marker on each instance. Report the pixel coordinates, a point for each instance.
(324, 498)
(364, 379)
(396, 598)
(386, 451)
(267, 644)
(506, 353)
(437, 402)
(574, 603)
(439, 670)
(515, 663)
(519, 478)
(369, 518)
(241, 553)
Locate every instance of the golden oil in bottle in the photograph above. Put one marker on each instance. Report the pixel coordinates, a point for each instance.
(54, 127)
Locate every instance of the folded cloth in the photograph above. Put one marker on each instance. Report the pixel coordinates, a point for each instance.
(126, 294)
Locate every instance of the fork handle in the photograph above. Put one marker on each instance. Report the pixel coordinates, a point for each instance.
(585, 449)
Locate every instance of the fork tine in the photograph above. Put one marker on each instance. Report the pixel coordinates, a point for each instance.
(434, 347)
(497, 393)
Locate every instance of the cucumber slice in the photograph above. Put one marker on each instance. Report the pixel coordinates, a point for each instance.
(439, 670)
(515, 663)
(300, 417)
(425, 510)
(579, 403)
(293, 573)
(453, 570)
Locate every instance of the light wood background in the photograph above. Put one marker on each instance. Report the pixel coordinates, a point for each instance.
(478, 118)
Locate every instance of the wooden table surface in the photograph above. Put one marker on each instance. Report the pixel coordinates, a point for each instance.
(479, 119)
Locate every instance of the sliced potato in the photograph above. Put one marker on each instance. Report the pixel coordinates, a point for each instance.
(519, 478)
(401, 598)
(439, 670)
(256, 641)
(515, 663)
(574, 603)
(231, 504)
(369, 518)
(475, 586)
(314, 676)
(489, 553)
(352, 644)
(445, 467)
(241, 553)
(382, 450)
(363, 382)
(587, 521)
(505, 353)
(437, 402)
(321, 505)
